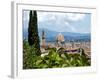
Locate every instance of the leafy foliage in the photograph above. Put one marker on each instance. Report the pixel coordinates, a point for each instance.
(55, 58)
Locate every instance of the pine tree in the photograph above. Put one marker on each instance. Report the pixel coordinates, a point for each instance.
(33, 37)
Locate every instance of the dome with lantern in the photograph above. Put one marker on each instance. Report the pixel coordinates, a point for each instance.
(60, 37)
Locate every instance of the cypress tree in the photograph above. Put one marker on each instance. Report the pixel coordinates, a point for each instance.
(33, 37)
(30, 38)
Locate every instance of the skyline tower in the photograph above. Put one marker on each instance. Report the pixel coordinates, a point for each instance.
(43, 39)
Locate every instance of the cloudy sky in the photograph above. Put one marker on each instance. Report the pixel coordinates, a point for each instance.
(61, 22)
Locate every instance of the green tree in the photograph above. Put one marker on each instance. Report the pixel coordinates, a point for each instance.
(33, 38)
(30, 37)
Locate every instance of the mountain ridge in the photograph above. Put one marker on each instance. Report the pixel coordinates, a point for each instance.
(51, 35)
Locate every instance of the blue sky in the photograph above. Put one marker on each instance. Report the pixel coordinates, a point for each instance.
(61, 22)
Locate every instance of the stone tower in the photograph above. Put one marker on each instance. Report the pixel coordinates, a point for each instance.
(43, 39)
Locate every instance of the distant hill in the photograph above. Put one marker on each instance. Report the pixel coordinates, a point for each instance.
(69, 36)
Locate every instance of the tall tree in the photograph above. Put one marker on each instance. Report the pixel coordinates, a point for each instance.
(33, 37)
(30, 38)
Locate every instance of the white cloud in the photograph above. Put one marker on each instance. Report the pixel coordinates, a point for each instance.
(25, 15)
(53, 16)
(75, 16)
(57, 21)
(67, 23)
(46, 16)
(49, 16)
(73, 29)
(42, 16)
(70, 27)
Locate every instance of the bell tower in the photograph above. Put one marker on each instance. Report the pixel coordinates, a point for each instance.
(43, 39)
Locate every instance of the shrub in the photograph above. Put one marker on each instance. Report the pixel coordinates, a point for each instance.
(54, 59)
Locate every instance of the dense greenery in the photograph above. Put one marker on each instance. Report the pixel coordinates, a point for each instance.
(33, 38)
(55, 58)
